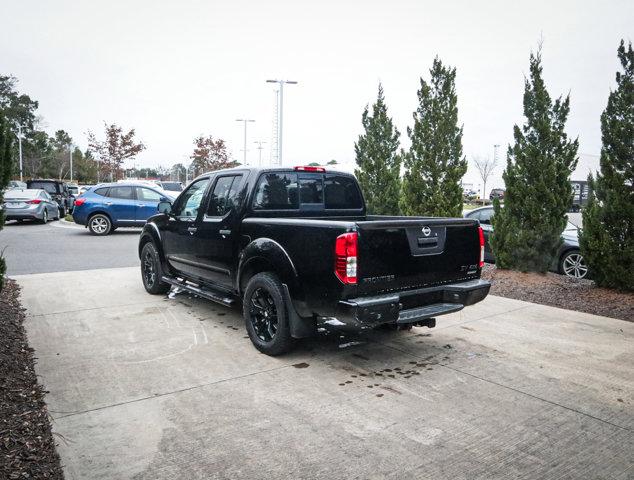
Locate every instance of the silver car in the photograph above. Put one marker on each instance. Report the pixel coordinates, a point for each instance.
(30, 204)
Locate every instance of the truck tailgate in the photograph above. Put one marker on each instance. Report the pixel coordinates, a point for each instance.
(396, 254)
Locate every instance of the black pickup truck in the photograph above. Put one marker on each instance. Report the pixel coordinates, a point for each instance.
(296, 248)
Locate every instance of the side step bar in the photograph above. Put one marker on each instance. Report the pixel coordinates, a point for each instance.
(415, 314)
(213, 295)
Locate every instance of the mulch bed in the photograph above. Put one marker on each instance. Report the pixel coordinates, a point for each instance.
(560, 291)
(27, 448)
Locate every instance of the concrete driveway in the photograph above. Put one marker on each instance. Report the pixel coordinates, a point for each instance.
(155, 388)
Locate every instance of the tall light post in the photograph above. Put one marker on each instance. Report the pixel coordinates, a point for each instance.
(280, 127)
(20, 147)
(70, 149)
(495, 152)
(245, 121)
(260, 148)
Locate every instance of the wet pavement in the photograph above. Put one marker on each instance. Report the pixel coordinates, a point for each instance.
(152, 387)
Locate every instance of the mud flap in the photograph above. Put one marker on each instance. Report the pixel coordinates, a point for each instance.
(300, 327)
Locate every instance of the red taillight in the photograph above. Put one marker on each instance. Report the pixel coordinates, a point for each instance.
(481, 233)
(346, 258)
(35, 201)
(310, 169)
(79, 202)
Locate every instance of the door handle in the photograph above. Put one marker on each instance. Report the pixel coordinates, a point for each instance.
(108, 203)
(192, 230)
(224, 232)
(140, 205)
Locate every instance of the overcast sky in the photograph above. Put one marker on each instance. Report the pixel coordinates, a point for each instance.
(177, 69)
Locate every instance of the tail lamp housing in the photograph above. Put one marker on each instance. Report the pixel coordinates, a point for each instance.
(35, 201)
(346, 258)
(481, 235)
(79, 202)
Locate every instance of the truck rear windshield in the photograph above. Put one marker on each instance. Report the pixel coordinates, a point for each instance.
(290, 191)
(49, 187)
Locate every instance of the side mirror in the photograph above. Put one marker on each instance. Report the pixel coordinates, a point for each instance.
(164, 206)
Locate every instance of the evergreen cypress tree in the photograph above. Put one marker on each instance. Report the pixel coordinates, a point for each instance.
(538, 190)
(435, 164)
(607, 240)
(5, 176)
(379, 171)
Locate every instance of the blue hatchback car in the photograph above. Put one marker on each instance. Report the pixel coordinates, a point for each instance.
(107, 206)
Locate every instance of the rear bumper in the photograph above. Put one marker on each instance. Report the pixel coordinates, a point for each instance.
(409, 306)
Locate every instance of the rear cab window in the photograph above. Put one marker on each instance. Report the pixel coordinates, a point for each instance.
(306, 192)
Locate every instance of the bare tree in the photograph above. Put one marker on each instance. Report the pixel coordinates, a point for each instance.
(114, 150)
(485, 166)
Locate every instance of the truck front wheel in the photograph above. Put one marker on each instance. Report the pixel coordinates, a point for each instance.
(266, 315)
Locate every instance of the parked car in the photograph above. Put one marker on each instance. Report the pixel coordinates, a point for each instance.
(16, 184)
(58, 190)
(497, 193)
(172, 186)
(568, 261)
(30, 204)
(110, 205)
(73, 189)
(297, 248)
(84, 188)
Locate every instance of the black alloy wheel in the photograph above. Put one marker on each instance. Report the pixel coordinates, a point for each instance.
(263, 315)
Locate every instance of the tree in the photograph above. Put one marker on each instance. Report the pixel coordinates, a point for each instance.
(332, 162)
(485, 166)
(313, 164)
(607, 239)
(114, 150)
(210, 155)
(378, 159)
(434, 164)
(18, 109)
(538, 191)
(178, 172)
(6, 168)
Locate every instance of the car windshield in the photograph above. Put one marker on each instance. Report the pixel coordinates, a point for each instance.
(49, 187)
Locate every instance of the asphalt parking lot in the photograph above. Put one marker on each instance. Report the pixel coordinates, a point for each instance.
(150, 387)
(31, 247)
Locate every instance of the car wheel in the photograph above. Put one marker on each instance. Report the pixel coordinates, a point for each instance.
(151, 271)
(45, 217)
(99, 224)
(265, 315)
(62, 212)
(573, 265)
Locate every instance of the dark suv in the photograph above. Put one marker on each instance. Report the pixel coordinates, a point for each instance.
(497, 193)
(56, 189)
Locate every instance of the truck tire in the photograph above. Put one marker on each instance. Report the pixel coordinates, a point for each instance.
(99, 224)
(151, 271)
(266, 316)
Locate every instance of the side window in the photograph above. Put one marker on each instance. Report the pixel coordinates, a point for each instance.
(223, 197)
(311, 190)
(342, 193)
(190, 200)
(147, 195)
(103, 191)
(276, 191)
(124, 193)
(485, 216)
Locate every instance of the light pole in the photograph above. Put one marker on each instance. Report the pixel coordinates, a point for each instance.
(260, 148)
(245, 121)
(280, 127)
(70, 148)
(20, 147)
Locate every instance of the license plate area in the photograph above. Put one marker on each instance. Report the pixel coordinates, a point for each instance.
(15, 204)
(426, 239)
